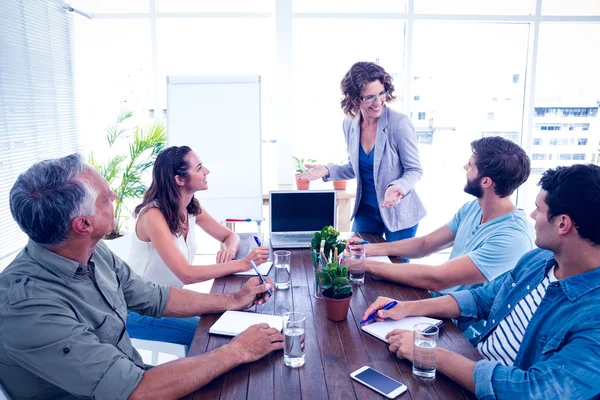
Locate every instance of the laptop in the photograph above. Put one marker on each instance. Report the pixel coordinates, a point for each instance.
(296, 214)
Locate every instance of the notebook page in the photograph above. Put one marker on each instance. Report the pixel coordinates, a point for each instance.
(264, 269)
(232, 323)
(381, 329)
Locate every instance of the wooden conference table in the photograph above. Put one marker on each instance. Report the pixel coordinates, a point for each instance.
(333, 349)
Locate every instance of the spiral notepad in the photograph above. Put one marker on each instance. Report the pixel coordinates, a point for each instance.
(232, 323)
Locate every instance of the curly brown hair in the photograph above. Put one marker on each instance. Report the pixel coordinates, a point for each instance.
(355, 80)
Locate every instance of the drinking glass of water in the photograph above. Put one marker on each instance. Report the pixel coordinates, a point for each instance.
(282, 269)
(294, 324)
(356, 266)
(425, 346)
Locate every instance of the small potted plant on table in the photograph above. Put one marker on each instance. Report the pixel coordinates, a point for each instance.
(300, 168)
(332, 247)
(337, 291)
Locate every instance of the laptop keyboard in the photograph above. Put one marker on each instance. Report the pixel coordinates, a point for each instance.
(295, 237)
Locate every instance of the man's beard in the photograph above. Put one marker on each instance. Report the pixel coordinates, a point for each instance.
(474, 188)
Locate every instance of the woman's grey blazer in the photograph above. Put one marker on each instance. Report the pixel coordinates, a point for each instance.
(396, 162)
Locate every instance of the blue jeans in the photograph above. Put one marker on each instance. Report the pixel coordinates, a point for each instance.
(366, 223)
(172, 330)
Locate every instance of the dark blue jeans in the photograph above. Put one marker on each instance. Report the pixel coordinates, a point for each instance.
(366, 223)
(172, 330)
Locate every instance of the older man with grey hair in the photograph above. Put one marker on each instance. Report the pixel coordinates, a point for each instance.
(64, 301)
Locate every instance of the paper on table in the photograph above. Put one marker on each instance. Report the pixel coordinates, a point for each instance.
(232, 323)
(383, 259)
(264, 269)
(381, 329)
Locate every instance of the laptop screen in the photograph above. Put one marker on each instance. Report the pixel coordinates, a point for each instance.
(299, 211)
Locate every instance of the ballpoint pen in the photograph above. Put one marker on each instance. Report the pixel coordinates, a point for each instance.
(262, 280)
(257, 240)
(386, 307)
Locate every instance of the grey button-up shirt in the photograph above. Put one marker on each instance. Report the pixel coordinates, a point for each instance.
(62, 325)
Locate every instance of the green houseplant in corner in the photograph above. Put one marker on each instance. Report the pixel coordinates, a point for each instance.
(125, 172)
(299, 169)
(337, 291)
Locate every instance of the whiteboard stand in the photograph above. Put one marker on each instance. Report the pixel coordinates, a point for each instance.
(219, 118)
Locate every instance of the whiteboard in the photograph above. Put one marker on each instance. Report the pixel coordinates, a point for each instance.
(219, 118)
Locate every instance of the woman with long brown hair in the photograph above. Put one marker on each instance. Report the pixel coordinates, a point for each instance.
(163, 243)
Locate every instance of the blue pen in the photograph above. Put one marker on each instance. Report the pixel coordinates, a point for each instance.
(386, 307)
(257, 240)
(361, 242)
(262, 280)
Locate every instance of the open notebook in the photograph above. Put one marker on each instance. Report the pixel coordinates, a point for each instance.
(232, 323)
(381, 329)
(264, 269)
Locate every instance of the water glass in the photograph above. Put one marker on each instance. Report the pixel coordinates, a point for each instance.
(356, 265)
(425, 346)
(294, 325)
(282, 269)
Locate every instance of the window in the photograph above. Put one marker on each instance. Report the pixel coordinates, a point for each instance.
(490, 116)
(36, 93)
(579, 156)
(417, 98)
(515, 79)
(421, 116)
(457, 103)
(582, 142)
(553, 142)
(563, 142)
(565, 156)
(538, 156)
(538, 171)
(424, 137)
(538, 141)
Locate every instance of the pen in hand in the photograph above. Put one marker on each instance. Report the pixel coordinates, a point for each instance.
(262, 280)
(257, 240)
(386, 307)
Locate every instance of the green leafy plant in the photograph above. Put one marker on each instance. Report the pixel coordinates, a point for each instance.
(299, 164)
(125, 172)
(335, 281)
(331, 241)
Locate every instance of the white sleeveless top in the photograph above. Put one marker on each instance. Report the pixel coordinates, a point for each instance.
(146, 262)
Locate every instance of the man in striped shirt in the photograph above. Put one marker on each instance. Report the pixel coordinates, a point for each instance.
(542, 338)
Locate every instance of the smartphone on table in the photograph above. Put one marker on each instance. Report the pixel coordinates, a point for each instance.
(379, 382)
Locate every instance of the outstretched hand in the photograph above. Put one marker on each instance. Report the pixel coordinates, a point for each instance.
(393, 194)
(315, 171)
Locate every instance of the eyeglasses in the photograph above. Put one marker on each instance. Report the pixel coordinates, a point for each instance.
(369, 99)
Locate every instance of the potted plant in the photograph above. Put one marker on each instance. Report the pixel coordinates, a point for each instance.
(300, 168)
(125, 172)
(339, 185)
(330, 235)
(337, 291)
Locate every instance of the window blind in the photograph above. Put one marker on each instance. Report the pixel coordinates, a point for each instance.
(37, 105)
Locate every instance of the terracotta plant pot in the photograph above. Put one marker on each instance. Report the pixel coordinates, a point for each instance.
(337, 309)
(302, 185)
(339, 185)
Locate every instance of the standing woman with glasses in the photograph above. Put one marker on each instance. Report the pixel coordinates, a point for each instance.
(382, 155)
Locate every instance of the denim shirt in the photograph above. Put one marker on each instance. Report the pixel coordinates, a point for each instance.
(559, 357)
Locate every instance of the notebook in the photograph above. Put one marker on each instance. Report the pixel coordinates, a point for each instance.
(383, 259)
(232, 323)
(381, 329)
(264, 269)
(296, 214)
